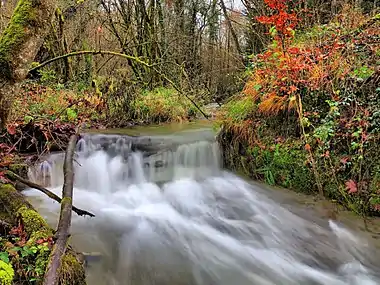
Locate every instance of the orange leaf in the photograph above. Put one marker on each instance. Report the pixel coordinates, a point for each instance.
(292, 88)
(307, 147)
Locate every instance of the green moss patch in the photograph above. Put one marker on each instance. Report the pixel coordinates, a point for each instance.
(14, 34)
(25, 246)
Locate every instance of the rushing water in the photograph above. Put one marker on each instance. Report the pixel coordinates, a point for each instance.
(167, 214)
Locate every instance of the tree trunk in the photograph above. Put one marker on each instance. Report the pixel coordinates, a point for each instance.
(231, 28)
(19, 44)
(63, 230)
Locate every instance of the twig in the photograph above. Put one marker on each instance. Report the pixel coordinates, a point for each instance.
(4, 224)
(50, 194)
(62, 233)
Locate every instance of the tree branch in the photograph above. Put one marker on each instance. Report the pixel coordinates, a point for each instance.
(50, 194)
(92, 52)
(62, 233)
(129, 57)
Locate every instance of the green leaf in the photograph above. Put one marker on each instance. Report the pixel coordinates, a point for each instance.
(16, 248)
(27, 119)
(71, 114)
(4, 256)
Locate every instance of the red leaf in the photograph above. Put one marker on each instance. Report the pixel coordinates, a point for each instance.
(293, 50)
(11, 129)
(377, 207)
(351, 186)
(326, 154)
(40, 241)
(293, 89)
(344, 160)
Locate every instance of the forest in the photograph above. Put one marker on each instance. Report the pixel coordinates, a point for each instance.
(293, 86)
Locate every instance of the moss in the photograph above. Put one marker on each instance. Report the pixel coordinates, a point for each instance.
(11, 202)
(66, 200)
(33, 222)
(71, 271)
(20, 169)
(13, 206)
(13, 36)
(6, 273)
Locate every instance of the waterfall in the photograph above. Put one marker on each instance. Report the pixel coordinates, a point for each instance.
(167, 213)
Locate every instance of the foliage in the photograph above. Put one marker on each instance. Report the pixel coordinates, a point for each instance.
(327, 80)
(54, 102)
(284, 165)
(162, 105)
(238, 109)
(26, 258)
(6, 271)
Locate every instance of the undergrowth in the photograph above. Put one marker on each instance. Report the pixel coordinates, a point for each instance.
(24, 260)
(38, 101)
(105, 102)
(162, 105)
(310, 107)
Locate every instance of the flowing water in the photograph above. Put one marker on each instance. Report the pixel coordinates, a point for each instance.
(168, 214)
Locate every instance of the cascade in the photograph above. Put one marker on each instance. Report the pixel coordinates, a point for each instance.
(167, 213)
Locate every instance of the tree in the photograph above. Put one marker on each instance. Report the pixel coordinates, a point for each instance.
(19, 44)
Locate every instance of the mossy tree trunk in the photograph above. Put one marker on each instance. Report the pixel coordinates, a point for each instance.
(19, 44)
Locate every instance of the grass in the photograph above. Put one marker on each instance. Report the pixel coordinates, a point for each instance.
(162, 105)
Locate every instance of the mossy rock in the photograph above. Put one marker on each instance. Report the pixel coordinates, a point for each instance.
(13, 208)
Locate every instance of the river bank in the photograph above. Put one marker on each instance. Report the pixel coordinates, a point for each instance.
(308, 117)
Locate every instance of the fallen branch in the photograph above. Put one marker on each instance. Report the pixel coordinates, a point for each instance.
(50, 194)
(62, 233)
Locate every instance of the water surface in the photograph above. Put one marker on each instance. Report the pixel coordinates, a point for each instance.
(174, 216)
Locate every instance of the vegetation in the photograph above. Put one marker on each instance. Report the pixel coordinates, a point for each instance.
(298, 81)
(312, 120)
(26, 242)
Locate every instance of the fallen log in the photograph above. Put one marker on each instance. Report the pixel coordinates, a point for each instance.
(14, 176)
(62, 234)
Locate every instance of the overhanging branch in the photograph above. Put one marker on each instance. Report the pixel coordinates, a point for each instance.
(125, 56)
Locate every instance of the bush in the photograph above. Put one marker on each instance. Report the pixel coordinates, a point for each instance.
(320, 90)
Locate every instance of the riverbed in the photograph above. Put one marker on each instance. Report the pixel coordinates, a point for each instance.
(168, 213)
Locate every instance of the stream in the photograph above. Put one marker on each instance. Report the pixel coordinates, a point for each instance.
(167, 213)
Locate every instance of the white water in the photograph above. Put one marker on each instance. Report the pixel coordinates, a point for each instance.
(188, 222)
